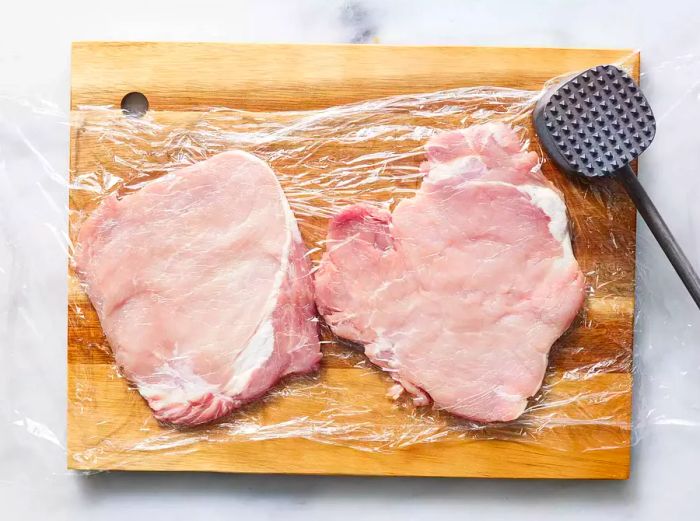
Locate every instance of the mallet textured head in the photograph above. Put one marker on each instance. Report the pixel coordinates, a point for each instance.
(596, 122)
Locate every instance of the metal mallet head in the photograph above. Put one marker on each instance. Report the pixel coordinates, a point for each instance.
(595, 123)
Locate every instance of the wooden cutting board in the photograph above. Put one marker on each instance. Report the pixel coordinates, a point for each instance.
(180, 80)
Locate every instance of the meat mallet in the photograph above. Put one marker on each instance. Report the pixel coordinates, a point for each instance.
(594, 125)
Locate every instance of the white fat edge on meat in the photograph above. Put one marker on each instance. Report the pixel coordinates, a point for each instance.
(544, 197)
(253, 356)
(261, 345)
(178, 384)
(554, 207)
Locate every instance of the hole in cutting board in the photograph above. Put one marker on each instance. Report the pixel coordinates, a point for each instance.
(134, 104)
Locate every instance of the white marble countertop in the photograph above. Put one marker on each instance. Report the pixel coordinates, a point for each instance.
(34, 59)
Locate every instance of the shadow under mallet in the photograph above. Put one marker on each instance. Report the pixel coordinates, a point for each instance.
(594, 125)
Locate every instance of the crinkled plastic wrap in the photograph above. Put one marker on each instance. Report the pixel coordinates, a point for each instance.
(326, 160)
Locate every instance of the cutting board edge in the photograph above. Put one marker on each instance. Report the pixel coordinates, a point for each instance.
(167, 91)
(619, 458)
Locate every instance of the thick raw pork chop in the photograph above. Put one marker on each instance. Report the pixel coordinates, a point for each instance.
(202, 287)
(461, 292)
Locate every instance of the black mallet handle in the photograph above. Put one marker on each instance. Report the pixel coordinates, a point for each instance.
(658, 227)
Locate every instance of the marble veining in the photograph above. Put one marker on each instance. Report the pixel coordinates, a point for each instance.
(359, 19)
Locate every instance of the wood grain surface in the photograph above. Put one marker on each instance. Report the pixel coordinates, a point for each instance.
(589, 380)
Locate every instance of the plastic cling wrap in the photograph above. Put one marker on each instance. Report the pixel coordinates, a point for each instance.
(370, 153)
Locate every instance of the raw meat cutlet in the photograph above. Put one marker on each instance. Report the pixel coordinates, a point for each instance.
(461, 292)
(202, 286)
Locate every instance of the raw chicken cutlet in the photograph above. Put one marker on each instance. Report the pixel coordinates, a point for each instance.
(460, 292)
(202, 286)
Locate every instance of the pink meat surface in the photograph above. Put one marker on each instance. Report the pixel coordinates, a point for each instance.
(202, 286)
(461, 292)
